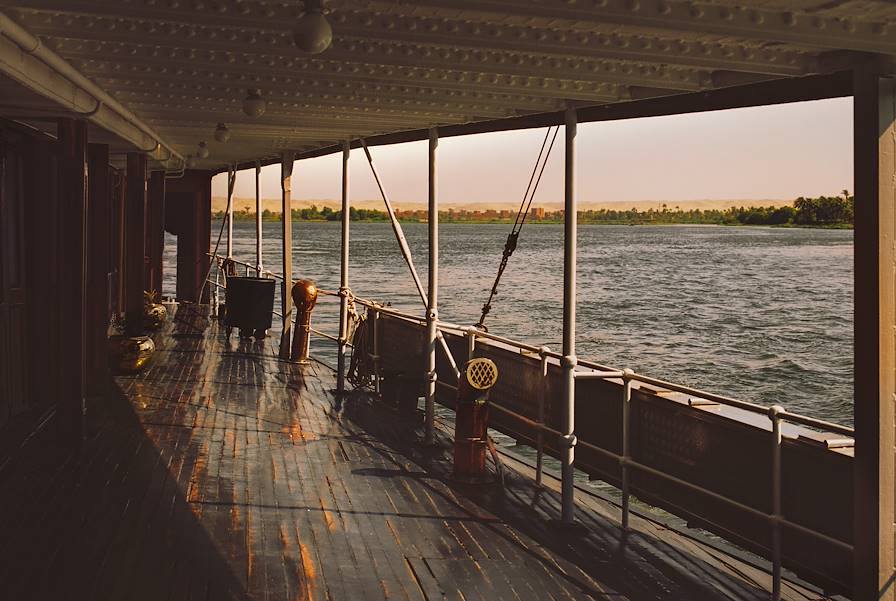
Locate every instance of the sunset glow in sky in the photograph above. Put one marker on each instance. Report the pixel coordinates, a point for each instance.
(775, 152)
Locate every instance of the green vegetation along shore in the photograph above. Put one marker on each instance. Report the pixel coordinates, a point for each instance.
(823, 211)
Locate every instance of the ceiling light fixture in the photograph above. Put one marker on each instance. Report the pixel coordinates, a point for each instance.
(202, 153)
(254, 104)
(190, 162)
(312, 32)
(222, 134)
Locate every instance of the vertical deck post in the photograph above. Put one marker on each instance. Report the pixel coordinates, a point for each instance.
(99, 264)
(188, 215)
(569, 360)
(343, 274)
(432, 312)
(231, 175)
(286, 162)
(71, 269)
(874, 146)
(542, 397)
(135, 241)
(626, 444)
(259, 259)
(155, 239)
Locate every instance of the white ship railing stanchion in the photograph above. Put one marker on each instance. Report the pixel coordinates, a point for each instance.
(343, 275)
(376, 351)
(542, 395)
(287, 160)
(774, 414)
(471, 341)
(215, 299)
(626, 443)
(231, 176)
(568, 362)
(259, 260)
(432, 309)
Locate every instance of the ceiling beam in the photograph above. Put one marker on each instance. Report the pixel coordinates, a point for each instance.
(359, 29)
(298, 87)
(523, 70)
(302, 100)
(820, 29)
(823, 28)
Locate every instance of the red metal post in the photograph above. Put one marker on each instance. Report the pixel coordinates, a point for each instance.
(471, 421)
(304, 296)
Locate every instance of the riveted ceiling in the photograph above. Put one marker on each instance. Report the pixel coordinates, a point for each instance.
(182, 66)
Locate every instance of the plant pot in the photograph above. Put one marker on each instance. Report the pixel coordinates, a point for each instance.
(130, 354)
(154, 315)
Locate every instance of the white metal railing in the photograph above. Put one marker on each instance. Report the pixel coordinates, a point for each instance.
(775, 413)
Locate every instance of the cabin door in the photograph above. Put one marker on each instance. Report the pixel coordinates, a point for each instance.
(12, 282)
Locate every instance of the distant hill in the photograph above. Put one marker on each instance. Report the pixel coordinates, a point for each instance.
(219, 203)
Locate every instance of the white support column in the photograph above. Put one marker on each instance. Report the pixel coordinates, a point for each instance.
(259, 259)
(569, 360)
(874, 144)
(343, 280)
(432, 313)
(286, 162)
(231, 180)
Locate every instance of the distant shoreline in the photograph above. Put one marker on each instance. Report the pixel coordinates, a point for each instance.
(816, 226)
(827, 212)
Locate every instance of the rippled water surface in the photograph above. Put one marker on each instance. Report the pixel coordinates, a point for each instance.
(762, 314)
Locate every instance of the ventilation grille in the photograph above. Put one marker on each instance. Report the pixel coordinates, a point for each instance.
(482, 373)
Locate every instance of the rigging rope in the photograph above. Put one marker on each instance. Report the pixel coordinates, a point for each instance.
(213, 260)
(522, 213)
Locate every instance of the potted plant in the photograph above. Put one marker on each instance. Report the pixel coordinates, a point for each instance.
(129, 348)
(154, 312)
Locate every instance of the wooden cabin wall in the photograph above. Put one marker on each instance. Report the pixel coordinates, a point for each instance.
(13, 390)
(58, 258)
(29, 328)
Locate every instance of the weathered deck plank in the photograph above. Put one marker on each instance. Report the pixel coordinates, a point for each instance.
(222, 473)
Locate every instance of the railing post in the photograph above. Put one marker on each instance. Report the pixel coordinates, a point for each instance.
(286, 164)
(259, 259)
(231, 177)
(626, 442)
(215, 299)
(376, 351)
(542, 394)
(471, 342)
(569, 360)
(774, 413)
(432, 313)
(343, 279)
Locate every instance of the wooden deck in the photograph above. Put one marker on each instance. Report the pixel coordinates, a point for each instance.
(221, 473)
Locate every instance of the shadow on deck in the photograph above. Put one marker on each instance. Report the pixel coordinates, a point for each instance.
(221, 473)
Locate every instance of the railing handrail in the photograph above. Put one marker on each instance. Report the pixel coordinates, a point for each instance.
(613, 372)
(245, 264)
(755, 408)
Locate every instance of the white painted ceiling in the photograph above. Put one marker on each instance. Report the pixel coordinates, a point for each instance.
(183, 66)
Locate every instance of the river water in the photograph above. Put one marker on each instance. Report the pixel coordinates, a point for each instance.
(761, 314)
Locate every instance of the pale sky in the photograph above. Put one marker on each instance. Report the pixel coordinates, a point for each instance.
(774, 152)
